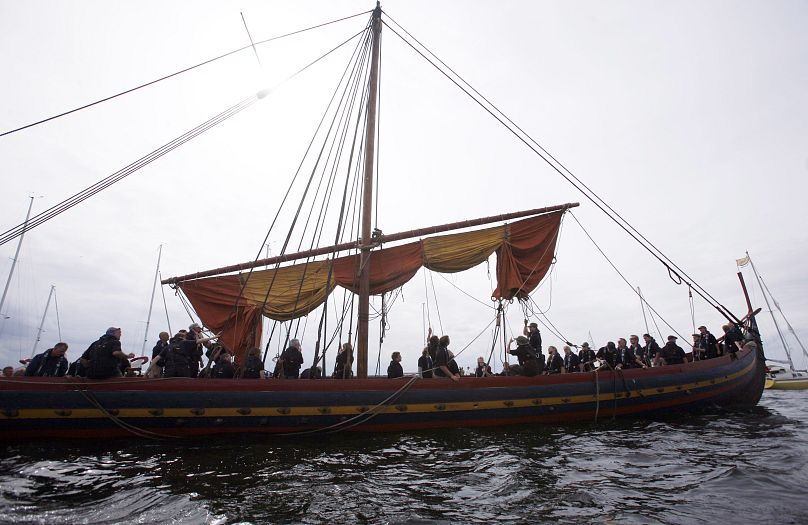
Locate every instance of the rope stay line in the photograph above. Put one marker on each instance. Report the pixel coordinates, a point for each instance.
(557, 166)
(184, 70)
(121, 174)
(624, 277)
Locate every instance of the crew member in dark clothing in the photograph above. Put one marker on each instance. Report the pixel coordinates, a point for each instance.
(608, 354)
(452, 365)
(732, 335)
(223, 369)
(394, 370)
(672, 353)
(432, 344)
(253, 367)
(425, 364)
(639, 351)
(173, 358)
(534, 336)
(651, 349)
(482, 370)
(314, 372)
(51, 362)
(344, 362)
(707, 343)
(625, 357)
(162, 344)
(292, 358)
(103, 358)
(442, 358)
(571, 361)
(555, 363)
(528, 359)
(195, 354)
(587, 357)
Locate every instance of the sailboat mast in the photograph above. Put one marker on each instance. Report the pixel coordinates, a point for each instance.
(41, 324)
(367, 203)
(776, 324)
(16, 255)
(151, 301)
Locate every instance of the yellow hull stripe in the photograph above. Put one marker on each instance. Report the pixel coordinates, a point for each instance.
(352, 410)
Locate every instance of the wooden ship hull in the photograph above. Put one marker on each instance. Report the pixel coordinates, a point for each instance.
(46, 408)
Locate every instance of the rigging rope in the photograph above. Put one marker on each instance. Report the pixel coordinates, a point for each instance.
(623, 276)
(185, 70)
(557, 166)
(121, 174)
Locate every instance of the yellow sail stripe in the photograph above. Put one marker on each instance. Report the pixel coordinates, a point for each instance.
(352, 410)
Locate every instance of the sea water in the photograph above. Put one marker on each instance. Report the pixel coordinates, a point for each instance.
(717, 467)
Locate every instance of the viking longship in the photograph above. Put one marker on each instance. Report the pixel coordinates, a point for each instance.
(363, 262)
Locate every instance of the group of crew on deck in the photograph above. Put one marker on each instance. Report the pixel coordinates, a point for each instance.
(182, 356)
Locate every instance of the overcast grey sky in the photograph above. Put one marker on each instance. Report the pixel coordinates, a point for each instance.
(690, 118)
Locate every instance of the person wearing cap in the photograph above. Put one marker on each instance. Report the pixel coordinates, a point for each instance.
(587, 357)
(534, 336)
(608, 354)
(530, 362)
(671, 353)
(104, 358)
(650, 350)
(707, 343)
(571, 361)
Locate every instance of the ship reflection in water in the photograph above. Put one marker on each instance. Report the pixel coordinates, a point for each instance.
(747, 467)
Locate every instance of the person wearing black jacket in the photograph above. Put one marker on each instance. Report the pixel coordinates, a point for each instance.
(639, 351)
(394, 370)
(732, 335)
(530, 363)
(344, 362)
(608, 354)
(587, 357)
(483, 369)
(292, 358)
(707, 344)
(571, 361)
(651, 350)
(672, 353)
(51, 362)
(425, 364)
(555, 364)
(534, 336)
(626, 358)
(443, 358)
(104, 357)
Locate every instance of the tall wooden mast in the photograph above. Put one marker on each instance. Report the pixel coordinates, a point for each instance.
(367, 203)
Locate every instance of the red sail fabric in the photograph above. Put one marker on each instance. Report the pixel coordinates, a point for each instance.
(389, 268)
(213, 300)
(525, 257)
(525, 251)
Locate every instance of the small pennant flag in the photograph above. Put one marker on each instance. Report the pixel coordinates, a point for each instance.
(742, 262)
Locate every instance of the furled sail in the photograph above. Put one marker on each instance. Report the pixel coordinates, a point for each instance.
(525, 251)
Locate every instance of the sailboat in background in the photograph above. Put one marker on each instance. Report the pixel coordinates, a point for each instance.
(236, 304)
(777, 376)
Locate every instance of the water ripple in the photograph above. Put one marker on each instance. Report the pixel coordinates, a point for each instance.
(745, 466)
